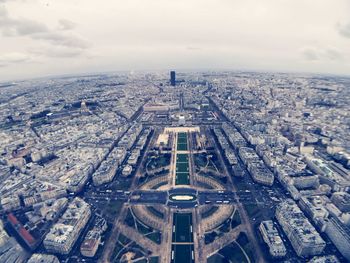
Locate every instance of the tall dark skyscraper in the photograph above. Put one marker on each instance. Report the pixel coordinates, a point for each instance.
(172, 78)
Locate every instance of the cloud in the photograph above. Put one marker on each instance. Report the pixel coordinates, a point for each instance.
(57, 52)
(65, 24)
(310, 54)
(13, 58)
(6, 1)
(193, 48)
(67, 40)
(317, 54)
(3, 12)
(344, 30)
(333, 54)
(15, 27)
(23, 27)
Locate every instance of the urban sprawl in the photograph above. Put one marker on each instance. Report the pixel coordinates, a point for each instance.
(177, 168)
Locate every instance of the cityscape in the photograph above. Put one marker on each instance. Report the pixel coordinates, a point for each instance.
(174, 131)
(172, 166)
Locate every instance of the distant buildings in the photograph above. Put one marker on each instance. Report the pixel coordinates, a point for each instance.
(172, 78)
(66, 231)
(160, 106)
(10, 203)
(272, 238)
(43, 258)
(10, 250)
(22, 232)
(341, 200)
(328, 174)
(340, 236)
(329, 219)
(92, 240)
(324, 259)
(90, 244)
(304, 238)
(58, 134)
(182, 120)
(260, 173)
(108, 168)
(227, 149)
(127, 170)
(258, 170)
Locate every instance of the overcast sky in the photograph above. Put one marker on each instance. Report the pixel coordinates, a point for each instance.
(53, 37)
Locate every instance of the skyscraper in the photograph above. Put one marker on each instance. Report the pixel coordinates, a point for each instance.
(172, 78)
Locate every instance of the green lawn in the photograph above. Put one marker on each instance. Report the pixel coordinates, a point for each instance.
(183, 225)
(182, 158)
(156, 212)
(200, 159)
(236, 219)
(182, 167)
(216, 258)
(182, 178)
(143, 229)
(129, 219)
(182, 135)
(209, 212)
(123, 239)
(233, 253)
(243, 241)
(182, 146)
(154, 260)
(113, 208)
(252, 210)
(155, 237)
(159, 161)
(182, 253)
(210, 237)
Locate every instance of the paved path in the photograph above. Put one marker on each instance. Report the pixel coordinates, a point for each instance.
(167, 237)
(222, 241)
(112, 240)
(145, 242)
(243, 214)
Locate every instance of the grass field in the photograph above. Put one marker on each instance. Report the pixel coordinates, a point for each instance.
(182, 158)
(182, 234)
(182, 170)
(236, 220)
(156, 162)
(181, 167)
(182, 134)
(231, 253)
(210, 212)
(216, 258)
(182, 254)
(182, 141)
(182, 147)
(252, 210)
(183, 228)
(182, 178)
(113, 207)
(155, 237)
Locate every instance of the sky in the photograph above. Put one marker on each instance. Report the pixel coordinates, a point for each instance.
(53, 37)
